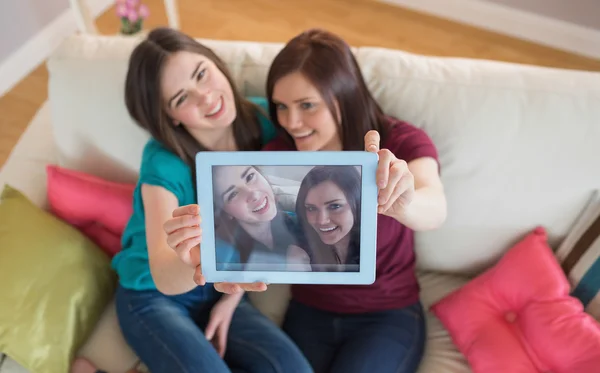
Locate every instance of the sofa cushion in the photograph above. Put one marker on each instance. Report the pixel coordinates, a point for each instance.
(504, 132)
(106, 348)
(519, 317)
(579, 255)
(55, 283)
(98, 207)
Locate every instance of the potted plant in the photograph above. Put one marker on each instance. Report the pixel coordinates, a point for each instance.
(132, 14)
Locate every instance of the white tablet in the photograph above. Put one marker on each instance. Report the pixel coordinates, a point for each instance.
(288, 217)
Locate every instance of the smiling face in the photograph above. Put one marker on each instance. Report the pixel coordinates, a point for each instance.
(304, 114)
(329, 213)
(245, 194)
(196, 93)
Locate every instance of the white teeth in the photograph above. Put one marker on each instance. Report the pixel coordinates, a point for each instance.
(262, 206)
(327, 229)
(303, 134)
(216, 109)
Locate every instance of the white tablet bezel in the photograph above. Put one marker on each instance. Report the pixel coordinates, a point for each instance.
(204, 181)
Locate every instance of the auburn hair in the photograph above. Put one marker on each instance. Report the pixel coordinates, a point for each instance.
(348, 179)
(327, 62)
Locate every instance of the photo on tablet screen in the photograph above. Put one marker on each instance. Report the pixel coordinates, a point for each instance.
(287, 218)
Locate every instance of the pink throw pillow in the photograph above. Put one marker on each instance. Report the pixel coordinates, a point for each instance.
(98, 207)
(518, 316)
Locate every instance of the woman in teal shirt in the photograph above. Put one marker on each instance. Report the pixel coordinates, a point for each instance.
(181, 92)
(249, 217)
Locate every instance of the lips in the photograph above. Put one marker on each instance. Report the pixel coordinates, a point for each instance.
(216, 109)
(262, 208)
(326, 230)
(301, 136)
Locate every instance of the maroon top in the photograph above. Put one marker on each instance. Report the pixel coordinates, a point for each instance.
(395, 284)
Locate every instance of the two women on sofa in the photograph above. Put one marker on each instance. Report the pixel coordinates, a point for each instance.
(182, 93)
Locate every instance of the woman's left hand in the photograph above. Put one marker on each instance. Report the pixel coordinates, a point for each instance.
(219, 321)
(395, 181)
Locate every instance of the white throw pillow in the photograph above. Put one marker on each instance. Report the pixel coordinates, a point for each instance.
(579, 255)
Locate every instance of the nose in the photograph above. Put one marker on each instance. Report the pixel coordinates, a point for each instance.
(293, 119)
(201, 94)
(323, 217)
(253, 195)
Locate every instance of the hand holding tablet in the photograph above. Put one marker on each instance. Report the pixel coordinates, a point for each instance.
(184, 235)
(284, 221)
(396, 182)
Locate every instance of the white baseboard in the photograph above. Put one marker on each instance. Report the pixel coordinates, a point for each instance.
(39, 47)
(513, 22)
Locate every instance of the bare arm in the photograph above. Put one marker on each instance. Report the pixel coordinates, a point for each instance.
(171, 275)
(428, 208)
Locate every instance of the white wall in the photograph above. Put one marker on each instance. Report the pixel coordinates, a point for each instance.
(570, 25)
(30, 30)
(21, 20)
(580, 12)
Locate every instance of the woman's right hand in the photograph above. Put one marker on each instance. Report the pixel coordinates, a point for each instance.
(184, 236)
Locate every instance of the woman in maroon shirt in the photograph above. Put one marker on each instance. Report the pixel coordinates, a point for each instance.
(319, 101)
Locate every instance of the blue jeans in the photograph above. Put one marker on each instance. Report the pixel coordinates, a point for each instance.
(166, 332)
(383, 342)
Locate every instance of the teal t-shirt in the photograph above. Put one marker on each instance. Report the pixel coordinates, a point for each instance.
(160, 167)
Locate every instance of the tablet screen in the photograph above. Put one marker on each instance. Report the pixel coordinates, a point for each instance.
(287, 218)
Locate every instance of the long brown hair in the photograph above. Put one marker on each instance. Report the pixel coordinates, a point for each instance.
(144, 102)
(229, 229)
(348, 179)
(328, 63)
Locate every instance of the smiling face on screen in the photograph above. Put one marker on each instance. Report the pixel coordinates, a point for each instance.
(329, 213)
(245, 194)
(195, 93)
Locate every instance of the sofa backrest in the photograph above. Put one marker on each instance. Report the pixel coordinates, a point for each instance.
(518, 144)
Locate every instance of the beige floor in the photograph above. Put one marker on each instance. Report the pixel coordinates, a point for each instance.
(360, 22)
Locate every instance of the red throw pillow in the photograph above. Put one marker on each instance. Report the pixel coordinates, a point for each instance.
(98, 207)
(518, 316)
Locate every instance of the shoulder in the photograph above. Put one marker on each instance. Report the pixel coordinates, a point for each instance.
(260, 101)
(267, 128)
(408, 142)
(155, 152)
(161, 167)
(278, 144)
(291, 215)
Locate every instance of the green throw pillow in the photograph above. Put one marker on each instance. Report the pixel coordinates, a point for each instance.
(54, 285)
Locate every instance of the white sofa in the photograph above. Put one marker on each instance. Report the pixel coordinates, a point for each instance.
(518, 148)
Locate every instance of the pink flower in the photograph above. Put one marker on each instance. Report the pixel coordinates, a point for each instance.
(132, 15)
(122, 10)
(144, 11)
(132, 3)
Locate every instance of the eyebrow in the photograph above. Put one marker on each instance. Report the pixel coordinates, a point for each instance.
(231, 187)
(191, 77)
(245, 172)
(326, 203)
(303, 99)
(277, 102)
